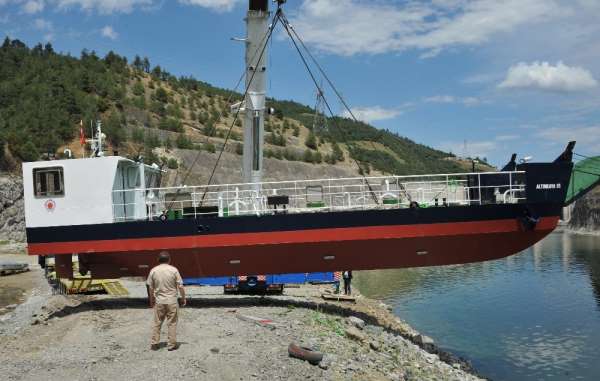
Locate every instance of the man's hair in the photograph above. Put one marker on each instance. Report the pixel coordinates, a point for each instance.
(164, 257)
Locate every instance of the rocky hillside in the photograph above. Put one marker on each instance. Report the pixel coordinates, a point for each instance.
(12, 219)
(586, 213)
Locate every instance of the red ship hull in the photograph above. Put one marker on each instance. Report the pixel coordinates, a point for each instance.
(334, 249)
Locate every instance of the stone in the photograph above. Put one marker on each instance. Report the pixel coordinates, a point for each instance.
(354, 334)
(375, 345)
(215, 350)
(374, 330)
(431, 358)
(326, 362)
(425, 342)
(357, 322)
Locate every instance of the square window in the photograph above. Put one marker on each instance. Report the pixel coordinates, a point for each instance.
(48, 182)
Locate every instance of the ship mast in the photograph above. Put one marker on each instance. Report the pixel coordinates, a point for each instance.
(257, 22)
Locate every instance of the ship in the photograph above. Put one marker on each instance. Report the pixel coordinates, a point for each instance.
(111, 215)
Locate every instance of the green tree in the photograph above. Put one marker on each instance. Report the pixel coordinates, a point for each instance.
(311, 141)
(170, 124)
(28, 151)
(137, 63)
(138, 88)
(151, 140)
(172, 163)
(208, 146)
(209, 129)
(137, 135)
(113, 128)
(338, 154)
(307, 157)
(161, 95)
(168, 143)
(239, 149)
(183, 142)
(146, 64)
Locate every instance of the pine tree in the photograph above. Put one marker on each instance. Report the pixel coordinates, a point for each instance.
(311, 141)
(146, 65)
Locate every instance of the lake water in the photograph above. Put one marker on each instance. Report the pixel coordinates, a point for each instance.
(532, 316)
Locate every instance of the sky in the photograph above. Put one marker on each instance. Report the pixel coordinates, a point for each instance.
(475, 77)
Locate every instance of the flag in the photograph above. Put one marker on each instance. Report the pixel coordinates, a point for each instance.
(81, 133)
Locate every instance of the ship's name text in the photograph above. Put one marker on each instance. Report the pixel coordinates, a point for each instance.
(548, 186)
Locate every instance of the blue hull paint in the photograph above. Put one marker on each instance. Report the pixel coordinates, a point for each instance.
(271, 279)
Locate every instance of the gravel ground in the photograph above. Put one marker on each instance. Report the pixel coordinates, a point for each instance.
(53, 337)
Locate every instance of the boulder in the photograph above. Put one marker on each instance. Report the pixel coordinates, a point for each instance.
(357, 322)
(355, 334)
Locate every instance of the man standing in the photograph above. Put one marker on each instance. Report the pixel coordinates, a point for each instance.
(347, 282)
(164, 282)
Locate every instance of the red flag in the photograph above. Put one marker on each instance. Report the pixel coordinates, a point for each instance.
(81, 133)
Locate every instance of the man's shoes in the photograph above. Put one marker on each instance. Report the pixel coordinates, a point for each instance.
(154, 347)
(173, 347)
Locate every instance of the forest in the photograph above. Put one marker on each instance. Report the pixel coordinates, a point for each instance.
(45, 95)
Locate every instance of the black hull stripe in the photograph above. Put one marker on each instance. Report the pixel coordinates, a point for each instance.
(289, 222)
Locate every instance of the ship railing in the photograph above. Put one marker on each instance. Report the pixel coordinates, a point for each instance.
(322, 195)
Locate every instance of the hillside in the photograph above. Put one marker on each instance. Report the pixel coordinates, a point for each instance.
(145, 110)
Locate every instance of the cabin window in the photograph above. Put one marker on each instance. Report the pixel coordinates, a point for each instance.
(133, 178)
(49, 182)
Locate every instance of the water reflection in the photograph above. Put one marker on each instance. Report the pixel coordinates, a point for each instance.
(535, 315)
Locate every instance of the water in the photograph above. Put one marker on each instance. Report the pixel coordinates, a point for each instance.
(532, 316)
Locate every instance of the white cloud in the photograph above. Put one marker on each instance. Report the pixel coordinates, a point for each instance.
(473, 149)
(587, 137)
(506, 138)
(43, 25)
(372, 114)
(109, 32)
(440, 99)
(33, 6)
(46, 27)
(545, 76)
(217, 5)
(467, 101)
(351, 27)
(104, 6)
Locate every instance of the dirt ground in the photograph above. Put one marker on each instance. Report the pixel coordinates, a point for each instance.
(54, 337)
(14, 289)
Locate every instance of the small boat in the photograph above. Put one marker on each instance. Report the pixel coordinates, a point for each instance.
(111, 213)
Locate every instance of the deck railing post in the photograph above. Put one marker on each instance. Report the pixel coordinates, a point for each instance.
(510, 182)
(479, 187)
